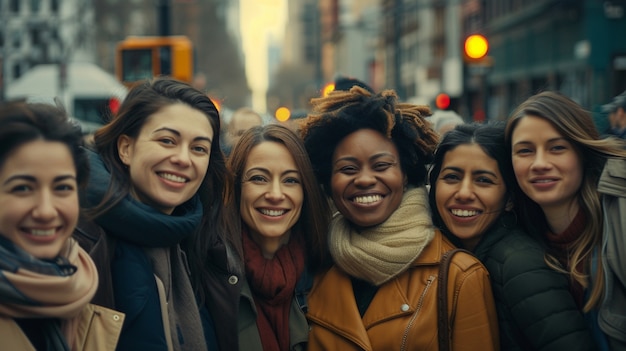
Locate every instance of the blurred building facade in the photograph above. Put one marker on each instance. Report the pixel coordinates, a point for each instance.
(43, 32)
(298, 76)
(416, 48)
(575, 46)
(212, 26)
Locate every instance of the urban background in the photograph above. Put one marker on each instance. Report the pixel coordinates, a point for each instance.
(413, 46)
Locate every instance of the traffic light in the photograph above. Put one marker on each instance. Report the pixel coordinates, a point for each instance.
(442, 101)
(282, 114)
(327, 89)
(475, 50)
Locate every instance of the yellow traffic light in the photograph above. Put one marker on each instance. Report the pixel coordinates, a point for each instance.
(476, 47)
(282, 114)
(327, 89)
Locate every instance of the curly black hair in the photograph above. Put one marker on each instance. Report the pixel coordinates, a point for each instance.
(343, 112)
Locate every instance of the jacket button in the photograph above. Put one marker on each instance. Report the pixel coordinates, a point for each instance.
(116, 317)
(232, 280)
(404, 307)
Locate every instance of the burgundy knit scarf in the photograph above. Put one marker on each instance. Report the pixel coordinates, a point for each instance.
(273, 282)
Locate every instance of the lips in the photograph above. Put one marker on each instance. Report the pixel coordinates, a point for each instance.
(367, 199)
(173, 177)
(543, 180)
(41, 232)
(272, 213)
(464, 213)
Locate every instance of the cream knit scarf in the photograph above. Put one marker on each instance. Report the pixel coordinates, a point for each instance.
(377, 254)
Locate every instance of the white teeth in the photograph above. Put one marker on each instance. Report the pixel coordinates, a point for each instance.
(367, 199)
(273, 213)
(42, 232)
(463, 213)
(172, 177)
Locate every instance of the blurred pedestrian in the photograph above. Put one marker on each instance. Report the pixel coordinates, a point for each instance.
(444, 121)
(558, 158)
(47, 280)
(282, 218)
(155, 200)
(472, 186)
(345, 83)
(370, 154)
(241, 120)
(616, 111)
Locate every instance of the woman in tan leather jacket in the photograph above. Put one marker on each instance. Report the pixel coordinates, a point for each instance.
(46, 279)
(370, 154)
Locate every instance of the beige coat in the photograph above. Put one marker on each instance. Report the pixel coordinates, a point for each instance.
(98, 330)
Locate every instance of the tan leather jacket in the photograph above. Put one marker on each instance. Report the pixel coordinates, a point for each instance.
(403, 313)
(98, 330)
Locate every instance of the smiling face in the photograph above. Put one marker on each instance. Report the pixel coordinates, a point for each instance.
(169, 158)
(547, 167)
(470, 193)
(271, 195)
(39, 197)
(367, 181)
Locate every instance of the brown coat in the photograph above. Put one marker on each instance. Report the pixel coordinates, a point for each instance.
(403, 313)
(98, 330)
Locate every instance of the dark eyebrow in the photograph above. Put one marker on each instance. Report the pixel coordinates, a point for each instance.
(177, 133)
(372, 158)
(32, 179)
(474, 173)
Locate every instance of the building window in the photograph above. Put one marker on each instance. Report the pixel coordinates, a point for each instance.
(14, 6)
(17, 72)
(35, 36)
(35, 5)
(54, 6)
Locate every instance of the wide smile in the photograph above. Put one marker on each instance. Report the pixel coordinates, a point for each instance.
(367, 199)
(172, 177)
(464, 213)
(272, 212)
(42, 234)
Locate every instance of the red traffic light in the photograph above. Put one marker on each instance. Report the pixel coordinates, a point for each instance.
(442, 101)
(114, 105)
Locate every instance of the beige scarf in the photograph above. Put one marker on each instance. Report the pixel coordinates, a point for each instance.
(43, 295)
(56, 296)
(379, 253)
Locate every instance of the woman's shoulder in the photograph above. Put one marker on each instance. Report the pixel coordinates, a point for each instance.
(514, 245)
(462, 259)
(99, 327)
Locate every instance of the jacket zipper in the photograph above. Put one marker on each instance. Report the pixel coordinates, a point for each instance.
(420, 302)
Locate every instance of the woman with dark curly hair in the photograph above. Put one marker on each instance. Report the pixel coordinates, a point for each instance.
(370, 154)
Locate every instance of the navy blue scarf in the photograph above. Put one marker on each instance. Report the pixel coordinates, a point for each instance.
(135, 222)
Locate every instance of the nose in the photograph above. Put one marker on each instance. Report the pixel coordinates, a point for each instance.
(275, 192)
(540, 162)
(182, 157)
(44, 209)
(465, 191)
(365, 178)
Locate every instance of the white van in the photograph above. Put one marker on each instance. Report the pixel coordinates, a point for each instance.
(89, 93)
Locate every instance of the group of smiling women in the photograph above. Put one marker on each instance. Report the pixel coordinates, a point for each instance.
(328, 237)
